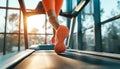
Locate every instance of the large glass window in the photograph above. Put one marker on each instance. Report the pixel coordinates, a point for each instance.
(110, 30)
(12, 27)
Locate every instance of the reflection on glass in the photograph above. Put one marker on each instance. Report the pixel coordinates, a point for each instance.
(110, 9)
(111, 37)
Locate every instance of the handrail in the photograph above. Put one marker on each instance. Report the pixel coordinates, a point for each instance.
(22, 6)
(80, 5)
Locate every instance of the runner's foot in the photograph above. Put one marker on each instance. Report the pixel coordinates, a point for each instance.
(61, 34)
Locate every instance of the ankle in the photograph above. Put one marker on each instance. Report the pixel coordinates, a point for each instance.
(54, 21)
(51, 13)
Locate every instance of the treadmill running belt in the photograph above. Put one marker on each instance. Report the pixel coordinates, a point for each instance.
(50, 60)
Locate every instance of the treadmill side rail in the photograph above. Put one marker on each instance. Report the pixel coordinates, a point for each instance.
(17, 58)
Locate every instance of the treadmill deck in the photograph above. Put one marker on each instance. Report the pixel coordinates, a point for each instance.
(50, 60)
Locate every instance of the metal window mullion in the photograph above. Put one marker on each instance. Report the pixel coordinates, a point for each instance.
(19, 30)
(69, 8)
(79, 34)
(97, 26)
(4, 45)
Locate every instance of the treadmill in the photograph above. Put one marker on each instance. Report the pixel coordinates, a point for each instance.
(44, 57)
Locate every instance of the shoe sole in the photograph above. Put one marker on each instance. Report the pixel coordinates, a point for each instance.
(61, 34)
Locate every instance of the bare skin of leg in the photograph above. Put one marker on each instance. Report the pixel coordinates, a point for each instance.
(52, 8)
(53, 19)
(61, 32)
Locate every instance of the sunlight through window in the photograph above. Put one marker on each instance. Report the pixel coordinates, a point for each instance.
(37, 23)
